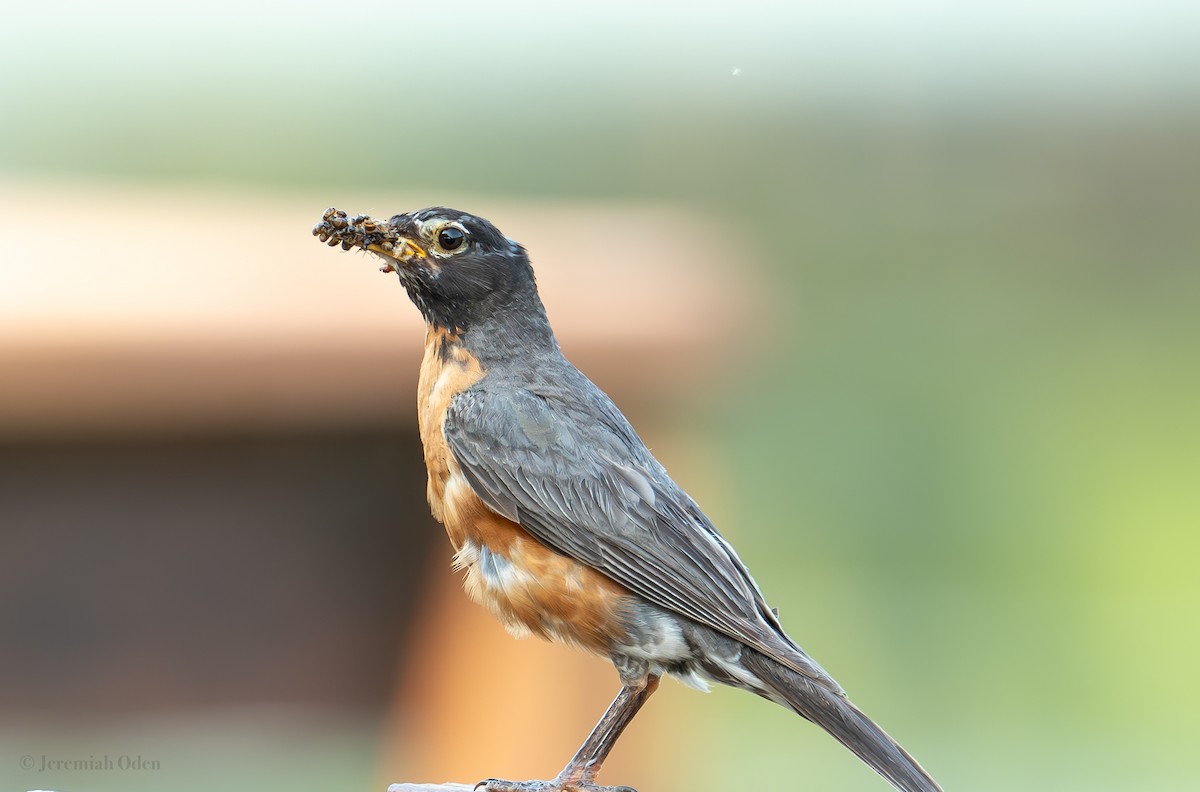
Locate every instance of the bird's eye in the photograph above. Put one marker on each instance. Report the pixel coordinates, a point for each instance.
(451, 238)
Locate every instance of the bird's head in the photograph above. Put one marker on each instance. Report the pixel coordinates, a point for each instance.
(458, 269)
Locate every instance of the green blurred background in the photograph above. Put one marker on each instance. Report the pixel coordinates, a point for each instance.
(964, 446)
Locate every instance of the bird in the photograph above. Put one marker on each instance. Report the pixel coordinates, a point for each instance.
(563, 523)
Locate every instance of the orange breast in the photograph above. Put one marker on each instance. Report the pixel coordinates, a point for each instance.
(447, 370)
(528, 586)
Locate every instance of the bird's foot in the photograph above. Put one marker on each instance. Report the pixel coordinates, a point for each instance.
(557, 785)
(360, 231)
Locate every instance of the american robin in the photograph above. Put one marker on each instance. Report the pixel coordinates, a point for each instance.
(563, 522)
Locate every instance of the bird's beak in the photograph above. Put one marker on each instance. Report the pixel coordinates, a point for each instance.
(402, 250)
(381, 237)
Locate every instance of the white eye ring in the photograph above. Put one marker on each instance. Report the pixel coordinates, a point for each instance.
(452, 238)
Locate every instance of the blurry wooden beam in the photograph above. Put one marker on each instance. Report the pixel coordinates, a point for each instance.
(128, 309)
(142, 308)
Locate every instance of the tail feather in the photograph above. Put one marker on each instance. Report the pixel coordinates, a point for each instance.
(848, 725)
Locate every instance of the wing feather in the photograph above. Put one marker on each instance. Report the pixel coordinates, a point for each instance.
(578, 478)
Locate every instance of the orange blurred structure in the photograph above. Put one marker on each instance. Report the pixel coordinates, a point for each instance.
(181, 328)
(195, 308)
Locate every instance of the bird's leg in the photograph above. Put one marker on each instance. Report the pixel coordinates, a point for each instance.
(580, 773)
(585, 765)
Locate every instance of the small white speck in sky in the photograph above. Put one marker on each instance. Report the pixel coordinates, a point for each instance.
(736, 71)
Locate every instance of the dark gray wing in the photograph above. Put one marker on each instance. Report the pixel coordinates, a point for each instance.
(574, 474)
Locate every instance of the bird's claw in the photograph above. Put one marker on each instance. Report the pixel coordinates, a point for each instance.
(499, 785)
